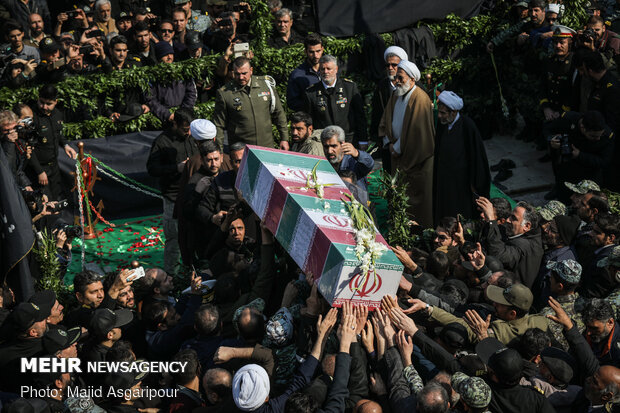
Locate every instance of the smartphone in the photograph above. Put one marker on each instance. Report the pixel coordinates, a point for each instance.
(240, 49)
(136, 274)
(88, 49)
(71, 13)
(95, 33)
(58, 63)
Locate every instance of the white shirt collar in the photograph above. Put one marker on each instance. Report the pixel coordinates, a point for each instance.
(328, 86)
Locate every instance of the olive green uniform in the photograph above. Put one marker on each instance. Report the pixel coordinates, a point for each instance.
(246, 113)
(504, 331)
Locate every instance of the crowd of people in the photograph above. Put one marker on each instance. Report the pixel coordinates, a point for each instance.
(501, 310)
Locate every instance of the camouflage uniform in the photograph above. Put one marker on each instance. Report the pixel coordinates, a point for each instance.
(279, 338)
(198, 21)
(413, 379)
(583, 186)
(613, 260)
(568, 271)
(551, 210)
(474, 391)
(568, 304)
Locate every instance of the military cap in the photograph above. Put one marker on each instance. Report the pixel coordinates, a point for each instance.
(567, 270)
(558, 362)
(48, 46)
(563, 31)
(57, 339)
(474, 391)
(123, 16)
(583, 186)
(26, 314)
(612, 260)
(104, 320)
(179, 2)
(521, 4)
(279, 328)
(45, 300)
(517, 295)
(551, 210)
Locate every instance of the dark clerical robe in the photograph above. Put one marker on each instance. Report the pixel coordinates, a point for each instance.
(461, 168)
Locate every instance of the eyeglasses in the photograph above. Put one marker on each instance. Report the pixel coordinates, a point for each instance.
(167, 31)
(391, 65)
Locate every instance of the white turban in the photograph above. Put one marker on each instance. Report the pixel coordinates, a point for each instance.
(395, 50)
(411, 69)
(553, 8)
(451, 100)
(202, 129)
(250, 387)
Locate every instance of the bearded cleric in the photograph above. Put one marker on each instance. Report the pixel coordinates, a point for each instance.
(461, 165)
(408, 131)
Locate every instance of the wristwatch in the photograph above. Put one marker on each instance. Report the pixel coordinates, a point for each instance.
(429, 309)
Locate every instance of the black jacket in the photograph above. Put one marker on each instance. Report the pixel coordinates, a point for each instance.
(593, 156)
(341, 105)
(166, 153)
(17, 161)
(517, 399)
(522, 255)
(597, 282)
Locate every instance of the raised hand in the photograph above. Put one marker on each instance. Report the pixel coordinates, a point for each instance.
(402, 321)
(368, 337)
(405, 346)
(477, 324)
(560, 316)
(360, 312)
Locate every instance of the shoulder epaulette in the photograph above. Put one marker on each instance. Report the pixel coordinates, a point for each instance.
(271, 80)
(347, 80)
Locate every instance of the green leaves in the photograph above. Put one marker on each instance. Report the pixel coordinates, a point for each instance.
(394, 190)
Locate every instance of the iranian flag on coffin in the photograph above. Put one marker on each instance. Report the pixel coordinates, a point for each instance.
(316, 232)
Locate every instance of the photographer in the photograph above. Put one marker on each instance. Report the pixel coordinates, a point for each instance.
(597, 38)
(64, 234)
(52, 68)
(43, 164)
(17, 73)
(225, 35)
(581, 147)
(70, 20)
(14, 149)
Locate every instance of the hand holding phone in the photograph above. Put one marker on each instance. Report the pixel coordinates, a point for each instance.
(136, 274)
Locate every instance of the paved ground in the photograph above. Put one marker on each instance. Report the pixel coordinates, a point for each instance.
(531, 179)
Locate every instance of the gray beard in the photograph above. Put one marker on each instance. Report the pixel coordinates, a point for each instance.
(402, 90)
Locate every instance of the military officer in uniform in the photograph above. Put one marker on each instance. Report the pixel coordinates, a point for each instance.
(336, 101)
(44, 160)
(196, 20)
(560, 70)
(246, 107)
